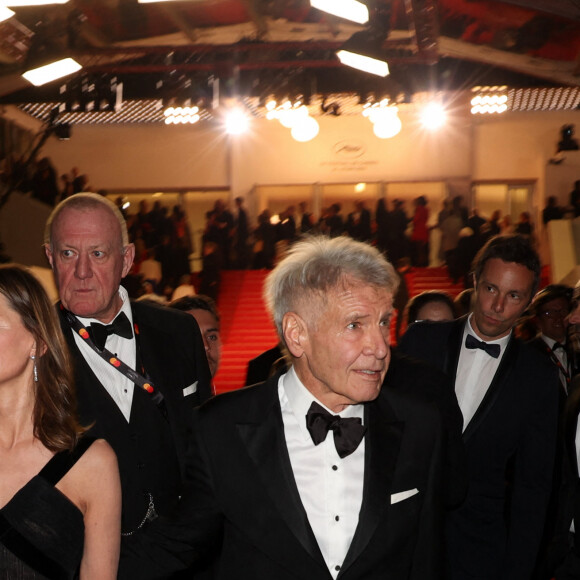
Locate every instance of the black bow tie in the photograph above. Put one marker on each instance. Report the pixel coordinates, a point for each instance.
(348, 432)
(491, 349)
(120, 326)
(557, 345)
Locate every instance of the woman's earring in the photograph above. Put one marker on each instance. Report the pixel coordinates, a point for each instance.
(33, 357)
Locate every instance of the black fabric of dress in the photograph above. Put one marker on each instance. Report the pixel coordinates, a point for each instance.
(41, 530)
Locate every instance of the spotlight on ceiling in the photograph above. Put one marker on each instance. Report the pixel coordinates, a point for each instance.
(385, 119)
(433, 115)
(349, 9)
(305, 129)
(19, 3)
(181, 115)
(236, 122)
(44, 74)
(364, 52)
(5, 13)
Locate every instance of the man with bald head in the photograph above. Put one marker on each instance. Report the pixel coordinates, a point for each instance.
(139, 369)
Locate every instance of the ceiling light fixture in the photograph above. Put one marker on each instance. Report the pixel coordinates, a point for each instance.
(433, 115)
(489, 100)
(365, 53)
(181, 115)
(384, 117)
(349, 9)
(236, 121)
(19, 3)
(5, 13)
(44, 74)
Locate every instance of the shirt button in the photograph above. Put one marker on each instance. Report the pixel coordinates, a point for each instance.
(337, 568)
(337, 518)
(334, 468)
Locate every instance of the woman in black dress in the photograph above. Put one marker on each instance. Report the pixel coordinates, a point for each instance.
(60, 498)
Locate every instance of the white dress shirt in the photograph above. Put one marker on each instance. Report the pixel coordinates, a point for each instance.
(116, 384)
(475, 371)
(560, 354)
(330, 488)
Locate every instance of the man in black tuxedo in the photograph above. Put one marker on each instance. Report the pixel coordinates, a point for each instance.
(549, 311)
(241, 235)
(563, 560)
(138, 379)
(508, 396)
(358, 223)
(288, 500)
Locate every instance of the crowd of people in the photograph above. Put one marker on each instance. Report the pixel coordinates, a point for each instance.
(41, 179)
(164, 243)
(438, 459)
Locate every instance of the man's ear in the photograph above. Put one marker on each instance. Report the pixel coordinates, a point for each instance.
(48, 253)
(128, 257)
(295, 333)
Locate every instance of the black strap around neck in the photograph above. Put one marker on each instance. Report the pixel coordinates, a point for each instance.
(135, 377)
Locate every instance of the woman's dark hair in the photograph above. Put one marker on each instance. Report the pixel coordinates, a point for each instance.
(54, 417)
(417, 302)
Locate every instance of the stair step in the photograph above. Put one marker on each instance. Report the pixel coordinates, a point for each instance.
(247, 329)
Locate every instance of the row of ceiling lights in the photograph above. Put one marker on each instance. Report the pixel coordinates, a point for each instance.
(360, 51)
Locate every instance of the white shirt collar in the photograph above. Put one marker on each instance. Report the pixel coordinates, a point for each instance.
(550, 341)
(501, 341)
(125, 307)
(300, 399)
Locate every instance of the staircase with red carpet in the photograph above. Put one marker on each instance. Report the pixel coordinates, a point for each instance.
(246, 327)
(248, 331)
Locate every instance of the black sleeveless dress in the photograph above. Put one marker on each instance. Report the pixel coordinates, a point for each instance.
(41, 530)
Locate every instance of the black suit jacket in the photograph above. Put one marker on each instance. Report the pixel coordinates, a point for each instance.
(510, 444)
(564, 555)
(259, 368)
(242, 486)
(150, 447)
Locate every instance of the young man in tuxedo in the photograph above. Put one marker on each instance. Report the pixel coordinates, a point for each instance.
(330, 470)
(508, 396)
(139, 369)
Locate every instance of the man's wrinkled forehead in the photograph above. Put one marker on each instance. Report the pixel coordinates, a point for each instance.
(86, 215)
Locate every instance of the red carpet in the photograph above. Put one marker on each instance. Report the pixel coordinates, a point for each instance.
(246, 327)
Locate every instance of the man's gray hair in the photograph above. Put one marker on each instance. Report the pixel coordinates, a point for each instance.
(316, 265)
(86, 201)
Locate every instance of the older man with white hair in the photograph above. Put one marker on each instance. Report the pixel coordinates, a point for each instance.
(139, 369)
(332, 469)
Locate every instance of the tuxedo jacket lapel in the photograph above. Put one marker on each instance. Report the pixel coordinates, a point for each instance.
(570, 426)
(454, 344)
(382, 444)
(91, 393)
(265, 443)
(500, 379)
